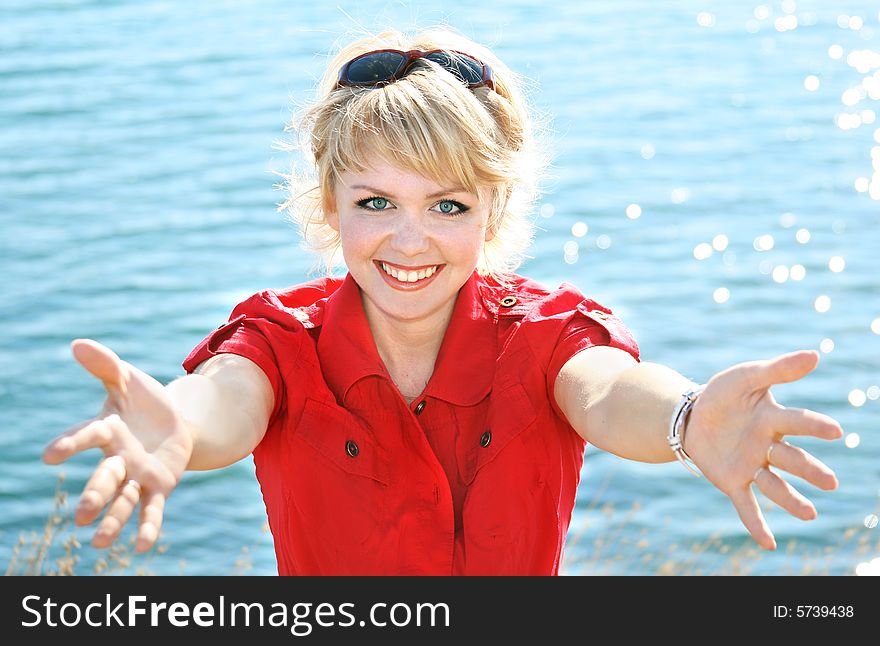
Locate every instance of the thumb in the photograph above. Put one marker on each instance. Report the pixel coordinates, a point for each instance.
(101, 362)
(787, 367)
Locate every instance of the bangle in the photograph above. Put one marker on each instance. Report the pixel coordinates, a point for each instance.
(677, 426)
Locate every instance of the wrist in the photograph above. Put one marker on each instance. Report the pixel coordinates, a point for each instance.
(678, 426)
(181, 394)
(687, 439)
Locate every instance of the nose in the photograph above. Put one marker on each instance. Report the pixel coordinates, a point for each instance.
(410, 236)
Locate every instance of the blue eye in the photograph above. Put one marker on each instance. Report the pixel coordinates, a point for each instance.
(446, 207)
(378, 203)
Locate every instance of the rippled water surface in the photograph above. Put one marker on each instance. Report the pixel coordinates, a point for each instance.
(716, 183)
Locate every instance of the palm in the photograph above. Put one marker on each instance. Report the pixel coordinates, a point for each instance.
(735, 434)
(151, 421)
(145, 444)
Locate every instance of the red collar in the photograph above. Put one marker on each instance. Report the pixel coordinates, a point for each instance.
(465, 366)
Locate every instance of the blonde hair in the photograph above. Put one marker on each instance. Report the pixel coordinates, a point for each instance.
(429, 123)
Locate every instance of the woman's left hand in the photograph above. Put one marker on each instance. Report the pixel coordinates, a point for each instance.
(735, 435)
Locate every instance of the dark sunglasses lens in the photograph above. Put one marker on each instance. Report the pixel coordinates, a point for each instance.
(375, 68)
(467, 69)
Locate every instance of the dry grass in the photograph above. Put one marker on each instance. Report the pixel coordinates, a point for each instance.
(612, 554)
(57, 551)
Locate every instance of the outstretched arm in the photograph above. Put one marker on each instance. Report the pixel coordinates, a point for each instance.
(734, 434)
(150, 434)
(225, 403)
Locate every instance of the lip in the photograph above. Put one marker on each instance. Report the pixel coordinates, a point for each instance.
(407, 287)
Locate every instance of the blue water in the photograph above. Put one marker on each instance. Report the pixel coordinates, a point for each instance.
(137, 207)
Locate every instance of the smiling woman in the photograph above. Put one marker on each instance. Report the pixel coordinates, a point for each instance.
(415, 228)
(428, 412)
(423, 125)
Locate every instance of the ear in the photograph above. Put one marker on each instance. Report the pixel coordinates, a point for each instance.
(492, 227)
(331, 215)
(332, 218)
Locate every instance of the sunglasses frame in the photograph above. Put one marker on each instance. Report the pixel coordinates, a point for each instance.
(413, 55)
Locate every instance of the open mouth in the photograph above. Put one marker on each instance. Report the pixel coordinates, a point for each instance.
(408, 276)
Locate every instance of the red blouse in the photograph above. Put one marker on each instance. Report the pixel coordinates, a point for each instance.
(477, 476)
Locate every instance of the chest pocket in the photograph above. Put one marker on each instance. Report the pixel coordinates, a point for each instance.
(337, 497)
(510, 413)
(336, 435)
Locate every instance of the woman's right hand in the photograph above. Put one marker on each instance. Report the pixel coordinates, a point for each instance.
(146, 446)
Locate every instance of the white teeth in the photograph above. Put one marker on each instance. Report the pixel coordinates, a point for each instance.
(408, 276)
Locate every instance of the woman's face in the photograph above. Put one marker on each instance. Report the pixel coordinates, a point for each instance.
(409, 242)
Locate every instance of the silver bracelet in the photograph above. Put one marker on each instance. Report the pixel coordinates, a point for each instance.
(676, 427)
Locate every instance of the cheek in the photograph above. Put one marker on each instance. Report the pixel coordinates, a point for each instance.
(471, 252)
(460, 242)
(465, 242)
(359, 237)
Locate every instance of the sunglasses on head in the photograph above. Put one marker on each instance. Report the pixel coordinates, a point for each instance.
(384, 66)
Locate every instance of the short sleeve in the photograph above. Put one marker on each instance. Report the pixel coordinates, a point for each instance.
(258, 329)
(591, 324)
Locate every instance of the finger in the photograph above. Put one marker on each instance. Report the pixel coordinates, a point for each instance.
(152, 508)
(750, 514)
(784, 368)
(118, 514)
(803, 465)
(101, 362)
(100, 489)
(803, 421)
(92, 434)
(784, 495)
(59, 449)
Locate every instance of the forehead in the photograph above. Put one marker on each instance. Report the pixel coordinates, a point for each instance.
(379, 173)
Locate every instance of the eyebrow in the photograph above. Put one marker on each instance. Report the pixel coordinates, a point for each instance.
(441, 192)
